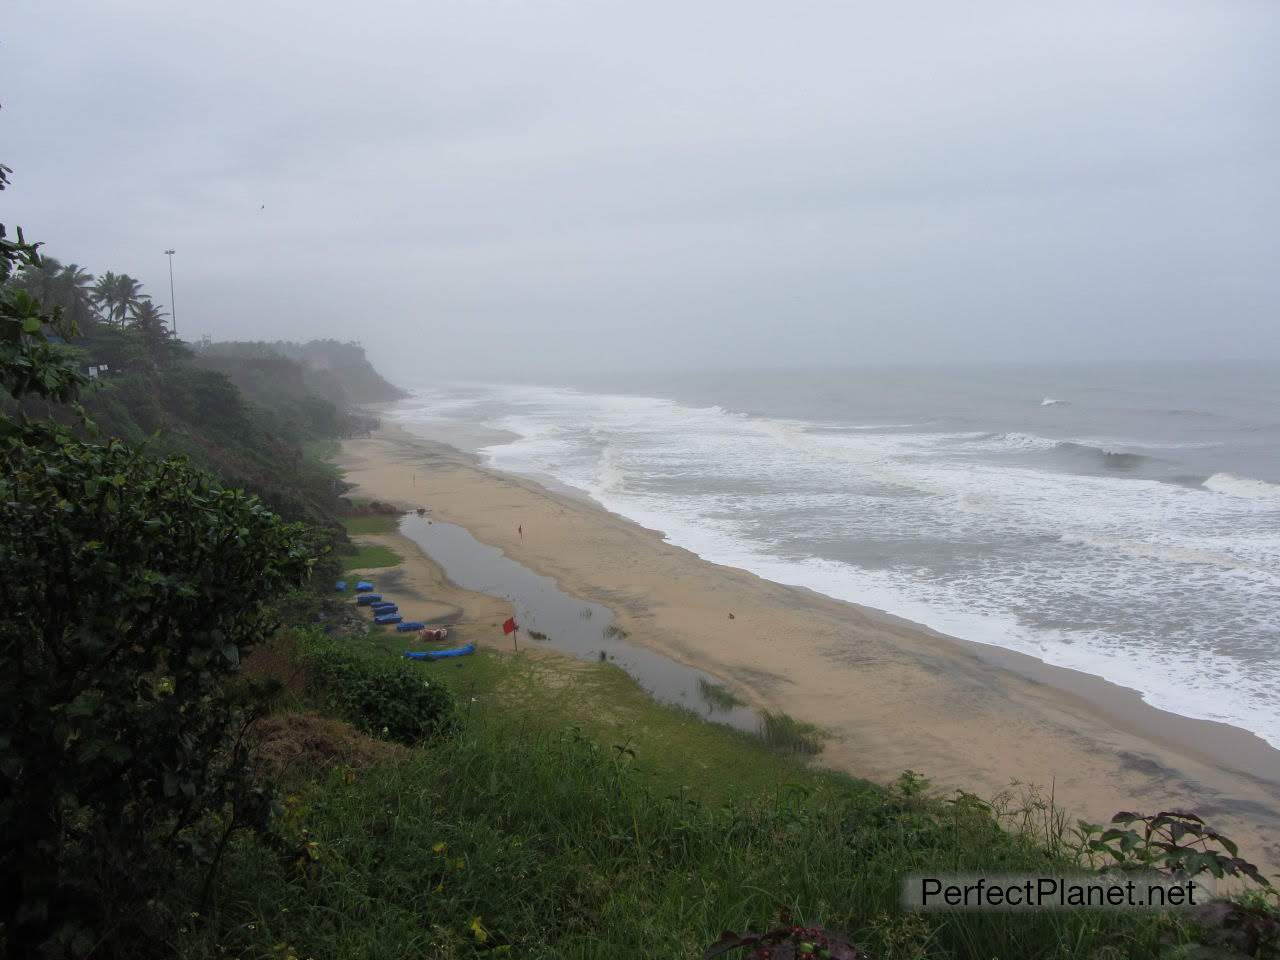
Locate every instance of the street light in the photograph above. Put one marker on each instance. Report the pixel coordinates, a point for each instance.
(173, 307)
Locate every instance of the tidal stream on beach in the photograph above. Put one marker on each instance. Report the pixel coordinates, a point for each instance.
(584, 630)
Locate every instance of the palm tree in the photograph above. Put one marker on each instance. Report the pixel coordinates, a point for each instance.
(104, 293)
(41, 281)
(76, 294)
(119, 293)
(149, 321)
(59, 287)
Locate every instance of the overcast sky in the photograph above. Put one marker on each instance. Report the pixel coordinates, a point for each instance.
(534, 184)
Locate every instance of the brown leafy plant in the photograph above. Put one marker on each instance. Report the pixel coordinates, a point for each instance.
(1182, 845)
(787, 943)
(1177, 843)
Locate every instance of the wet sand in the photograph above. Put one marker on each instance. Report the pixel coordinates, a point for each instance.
(893, 695)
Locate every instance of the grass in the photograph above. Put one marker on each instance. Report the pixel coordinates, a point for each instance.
(718, 697)
(371, 523)
(369, 557)
(789, 735)
(715, 763)
(544, 843)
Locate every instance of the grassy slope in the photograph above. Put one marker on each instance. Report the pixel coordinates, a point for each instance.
(533, 831)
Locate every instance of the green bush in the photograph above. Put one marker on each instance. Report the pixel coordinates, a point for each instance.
(385, 698)
(133, 587)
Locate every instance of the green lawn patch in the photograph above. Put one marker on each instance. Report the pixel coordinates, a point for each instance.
(371, 523)
(369, 557)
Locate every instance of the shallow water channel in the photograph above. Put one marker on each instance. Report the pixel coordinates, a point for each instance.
(584, 630)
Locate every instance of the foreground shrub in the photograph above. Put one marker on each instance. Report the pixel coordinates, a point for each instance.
(385, 698)
(132, 588)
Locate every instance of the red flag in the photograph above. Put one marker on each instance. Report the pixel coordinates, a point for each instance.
(510, 625)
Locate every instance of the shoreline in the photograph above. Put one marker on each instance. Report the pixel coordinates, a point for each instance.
(893, 695)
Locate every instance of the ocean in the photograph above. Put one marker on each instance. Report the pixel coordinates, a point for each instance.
(1121, 522)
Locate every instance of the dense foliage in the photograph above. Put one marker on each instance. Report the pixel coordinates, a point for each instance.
(139, 585)
(338, 371)
(29, 364)
(384, 698)
(307, 404)
(133, 586)
(201, 414)
(248, 412)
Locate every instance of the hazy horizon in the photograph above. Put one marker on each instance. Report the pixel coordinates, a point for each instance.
(489, 188)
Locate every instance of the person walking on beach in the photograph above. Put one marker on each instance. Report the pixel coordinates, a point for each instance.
(520, 530)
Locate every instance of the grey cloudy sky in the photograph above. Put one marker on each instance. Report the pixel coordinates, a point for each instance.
(493, 183)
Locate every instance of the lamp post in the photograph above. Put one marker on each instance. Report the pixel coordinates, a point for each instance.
(173, 307)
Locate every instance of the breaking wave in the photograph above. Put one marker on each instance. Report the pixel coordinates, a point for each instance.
(1101, 456)
(1244, 487)
(609, 474)
(1073, 452)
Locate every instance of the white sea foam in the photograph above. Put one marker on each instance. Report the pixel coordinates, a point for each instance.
(1012, 441)
(1155, 551)
(1244, 487)
(610, 476)
(1102, 574)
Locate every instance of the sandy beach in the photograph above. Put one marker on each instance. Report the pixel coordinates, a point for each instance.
(892, 695)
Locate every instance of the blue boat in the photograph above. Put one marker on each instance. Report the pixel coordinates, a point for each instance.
(385, 608)
(368, 599)
(363, 586)
(410, 625)
(439, 654)
(340, 586)
(388, 618)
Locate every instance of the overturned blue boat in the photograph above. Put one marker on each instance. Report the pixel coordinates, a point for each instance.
(439, 654)
(363, 586)
(388, 618)
(410, 625)
(386, 607)
(340, 586)
(369, 599)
